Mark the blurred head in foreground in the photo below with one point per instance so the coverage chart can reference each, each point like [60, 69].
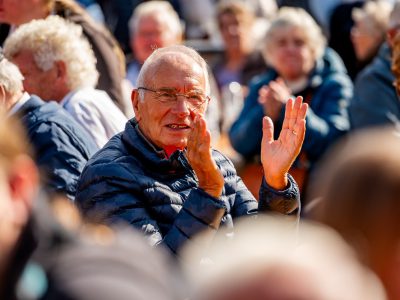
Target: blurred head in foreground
[280, 264]
[358, 185]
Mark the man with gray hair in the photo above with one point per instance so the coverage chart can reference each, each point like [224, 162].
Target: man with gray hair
[161, 174]
[59, 64]
[153, 25]
[61, 146]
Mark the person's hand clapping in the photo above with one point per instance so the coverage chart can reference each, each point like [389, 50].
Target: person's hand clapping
[273, 97]
[277, 156]
[200, 157]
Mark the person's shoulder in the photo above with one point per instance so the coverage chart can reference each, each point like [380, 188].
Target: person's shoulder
[329, 63]
[378, 70]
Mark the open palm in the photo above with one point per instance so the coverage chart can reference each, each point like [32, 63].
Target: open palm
[277, 156]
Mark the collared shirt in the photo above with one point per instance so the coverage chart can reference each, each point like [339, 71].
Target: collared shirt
[25, 97]
[95, 111]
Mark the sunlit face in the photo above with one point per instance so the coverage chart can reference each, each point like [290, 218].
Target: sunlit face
[235, 30]
[166, 124]
[37, 81]
[153, 32]
[290, 54]
[366, 40]
[17, 12]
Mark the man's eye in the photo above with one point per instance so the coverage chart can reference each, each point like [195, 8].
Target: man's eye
[167, 96]
[196, 97]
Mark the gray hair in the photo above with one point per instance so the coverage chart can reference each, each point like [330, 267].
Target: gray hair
[10, 77]
[150, 65]
[53, 39]
[299, 18]
[154, 8]
[375, 14]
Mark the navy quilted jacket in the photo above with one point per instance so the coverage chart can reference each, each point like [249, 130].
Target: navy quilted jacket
[132, 181]
[62, 147]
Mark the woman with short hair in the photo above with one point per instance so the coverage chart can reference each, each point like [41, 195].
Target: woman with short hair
[300, 65]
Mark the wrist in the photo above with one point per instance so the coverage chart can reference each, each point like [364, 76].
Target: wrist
[277, 182]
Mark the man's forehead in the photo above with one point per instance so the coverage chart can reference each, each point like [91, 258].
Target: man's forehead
[176, 65]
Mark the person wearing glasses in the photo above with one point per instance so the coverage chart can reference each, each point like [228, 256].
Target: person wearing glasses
[161, 174]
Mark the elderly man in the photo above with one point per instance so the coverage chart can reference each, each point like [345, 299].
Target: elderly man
[63, 68]
[162, 176]
[48, 253]
[153, 25]
[62, 147]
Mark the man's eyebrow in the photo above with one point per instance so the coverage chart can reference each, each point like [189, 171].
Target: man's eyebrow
[167, 89]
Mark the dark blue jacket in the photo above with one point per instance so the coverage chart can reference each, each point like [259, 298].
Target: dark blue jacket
[130, 180]
[330, 91]
[61, 146]
[375, 99]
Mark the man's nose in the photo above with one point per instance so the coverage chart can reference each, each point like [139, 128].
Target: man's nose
[181, 105]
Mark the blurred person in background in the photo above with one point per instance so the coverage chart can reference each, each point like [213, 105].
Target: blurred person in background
[161, 174]
[375, 100]
[241, 60]
[369, 30]
[48, 253]
[311, 263]
[153, 25]
[300, 65]
[110, 60]
[61, 146]
[59, 65]
[340, 24]
[356, 191]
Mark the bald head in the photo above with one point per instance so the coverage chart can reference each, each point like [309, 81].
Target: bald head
[174, 58]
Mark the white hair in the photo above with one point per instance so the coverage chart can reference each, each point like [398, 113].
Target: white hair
[54, 39]
[10, 77]
[157, 8]
[299, 18]
[375, 15]
[151, 64]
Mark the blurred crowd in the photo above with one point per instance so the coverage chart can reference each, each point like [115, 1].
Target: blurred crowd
[187, 149]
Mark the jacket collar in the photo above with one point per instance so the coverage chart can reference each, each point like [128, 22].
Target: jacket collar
[150, 155]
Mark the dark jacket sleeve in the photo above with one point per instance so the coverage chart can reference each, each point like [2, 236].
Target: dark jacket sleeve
[122, 198]
[60, 160]
[270, 200]
[328, 118]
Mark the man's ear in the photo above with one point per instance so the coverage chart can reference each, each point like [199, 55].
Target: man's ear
[23, 182]
[135, 103]
[61, 69]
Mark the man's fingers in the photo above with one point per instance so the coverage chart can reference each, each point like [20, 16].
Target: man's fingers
[288, 112]
[303, 111]
[268, 130]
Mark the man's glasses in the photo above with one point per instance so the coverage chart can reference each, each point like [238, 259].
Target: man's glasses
[195, 100]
